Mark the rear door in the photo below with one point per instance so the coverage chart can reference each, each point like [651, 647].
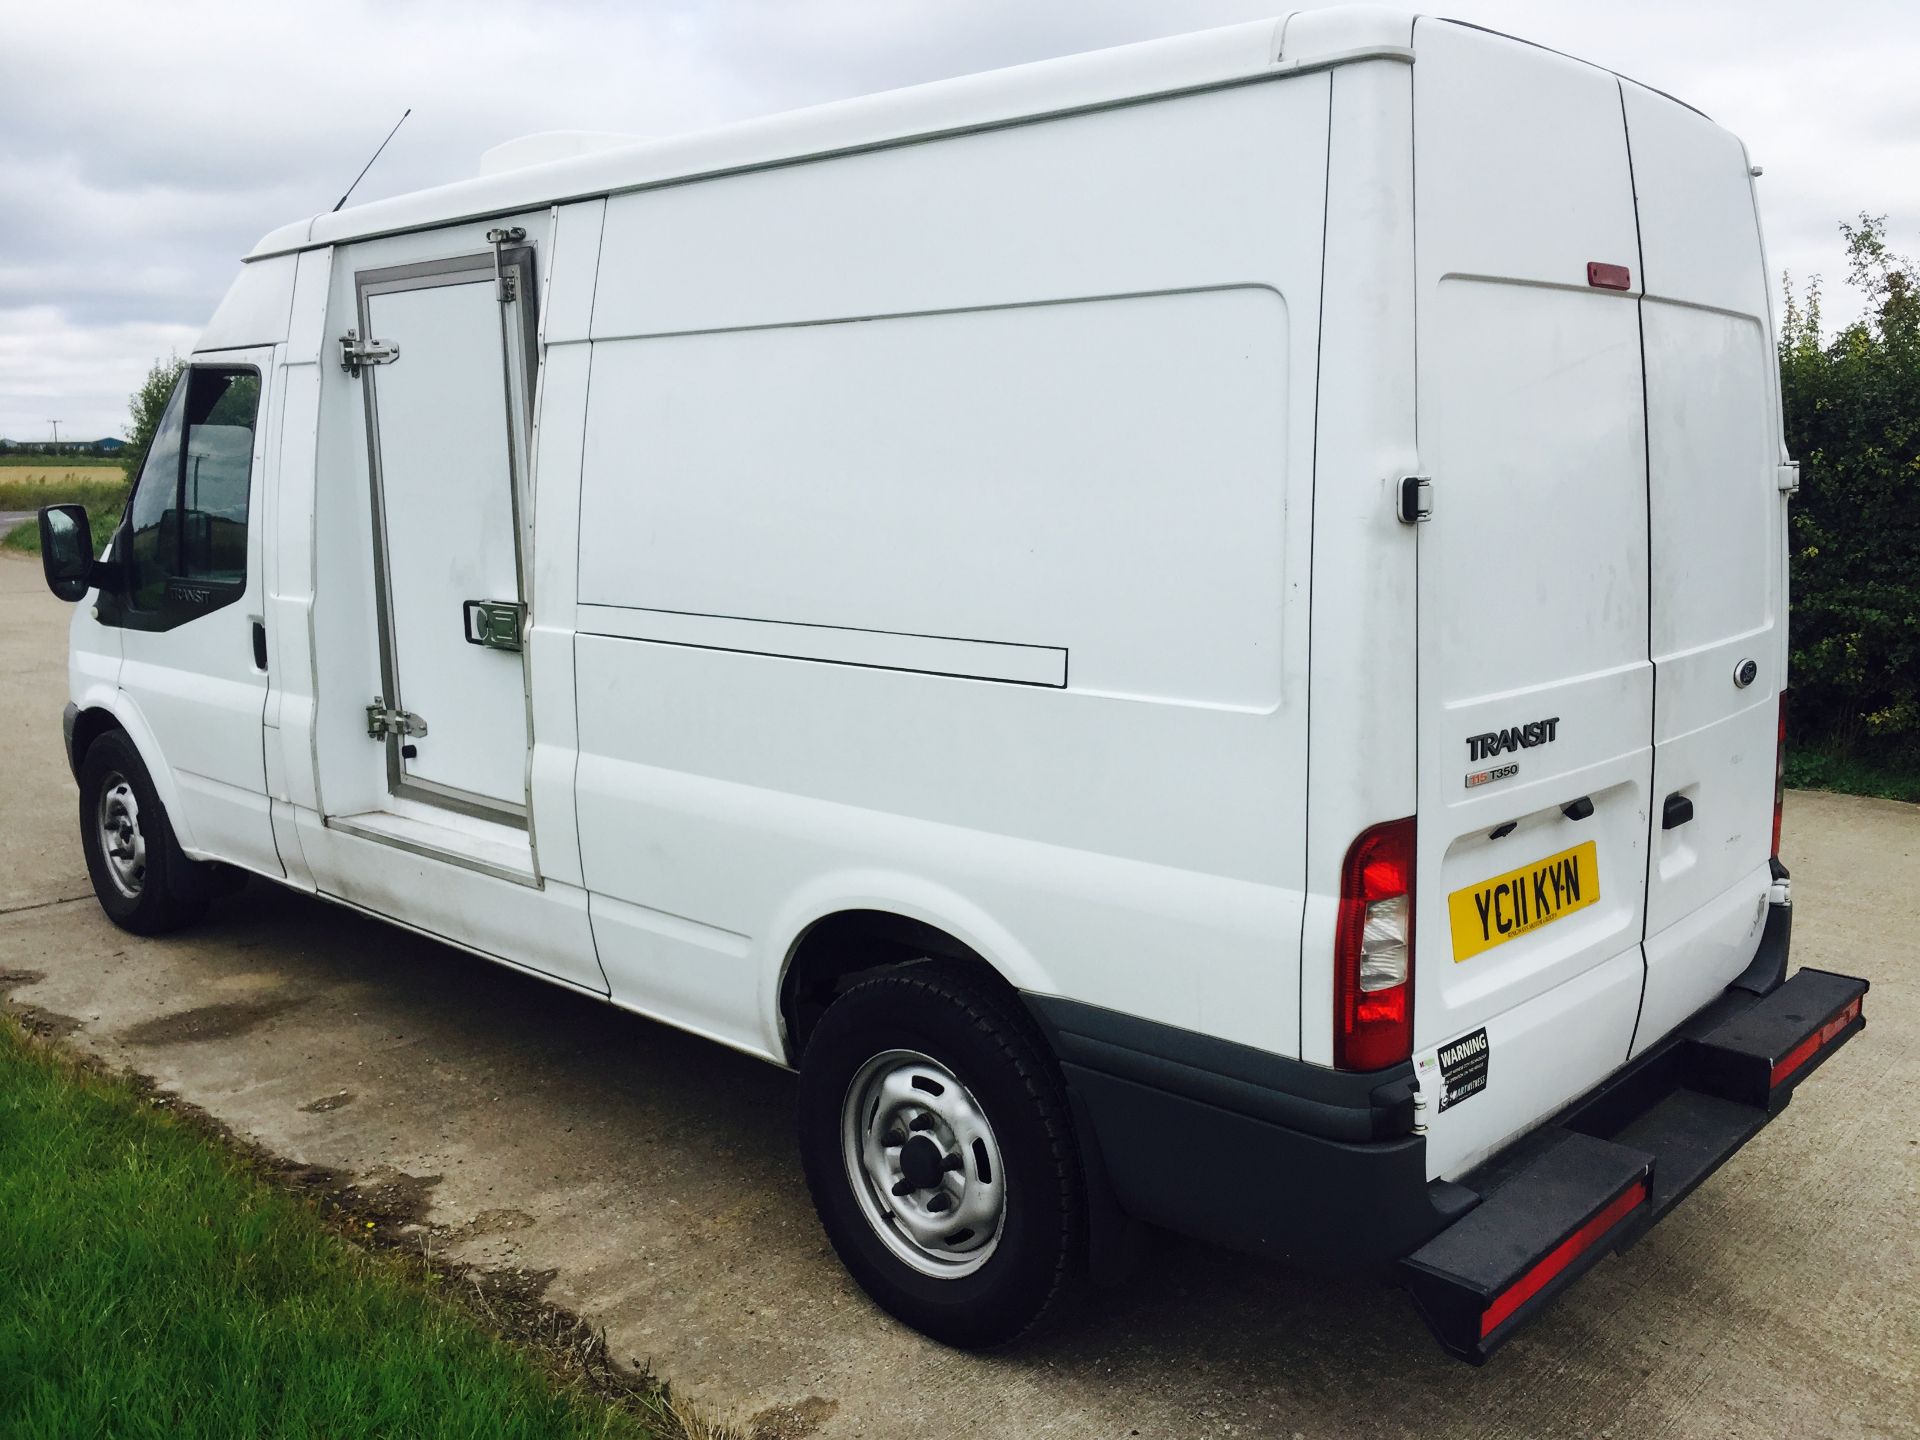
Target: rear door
[1536, 697]
[1718, 555]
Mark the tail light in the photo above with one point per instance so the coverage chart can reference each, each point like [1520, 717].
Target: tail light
[1373, 950]
[1780, 772]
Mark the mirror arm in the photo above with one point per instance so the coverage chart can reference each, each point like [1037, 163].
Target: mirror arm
[105, 575]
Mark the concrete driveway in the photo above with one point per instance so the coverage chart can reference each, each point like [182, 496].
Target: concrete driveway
[656, 1177]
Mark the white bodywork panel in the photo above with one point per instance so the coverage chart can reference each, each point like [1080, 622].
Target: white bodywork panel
[1364, 594]
[1067, 469]
[1030, 495]
[254, 311]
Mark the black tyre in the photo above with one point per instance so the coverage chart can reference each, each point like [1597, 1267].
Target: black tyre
[145, 882]
[940, 1151]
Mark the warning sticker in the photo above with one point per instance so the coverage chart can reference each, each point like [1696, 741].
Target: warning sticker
[1463, 1068]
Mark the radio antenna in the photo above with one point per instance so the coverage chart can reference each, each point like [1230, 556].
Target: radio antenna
[376, 155]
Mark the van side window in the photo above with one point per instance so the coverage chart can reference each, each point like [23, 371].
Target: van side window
[189, 518]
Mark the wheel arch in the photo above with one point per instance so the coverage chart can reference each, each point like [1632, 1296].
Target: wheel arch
[856, 931]
[103, 713]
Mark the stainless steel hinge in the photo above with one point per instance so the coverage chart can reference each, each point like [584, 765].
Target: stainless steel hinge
[1413, 500]
[355, 352]
[506, 282]
[382, 721]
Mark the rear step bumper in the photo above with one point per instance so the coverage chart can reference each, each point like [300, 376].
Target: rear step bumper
[1327, 1170]
[1601, 1173]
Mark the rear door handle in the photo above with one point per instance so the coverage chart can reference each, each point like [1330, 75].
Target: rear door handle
[259, 645]
[1677, 811]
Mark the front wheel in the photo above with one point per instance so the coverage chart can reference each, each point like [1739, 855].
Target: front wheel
[939, 1148]
[143, 879]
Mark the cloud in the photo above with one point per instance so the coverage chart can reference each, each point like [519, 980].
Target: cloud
[80, 374]
[132, 183]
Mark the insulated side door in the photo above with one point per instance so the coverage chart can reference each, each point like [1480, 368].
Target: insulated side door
[446, 360]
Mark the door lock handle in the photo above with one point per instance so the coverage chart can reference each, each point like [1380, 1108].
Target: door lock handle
[1677, 811]
[496, 624]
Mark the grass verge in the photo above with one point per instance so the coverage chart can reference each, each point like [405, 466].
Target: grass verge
[1815, 767]
[101, 488]
[154, 1282]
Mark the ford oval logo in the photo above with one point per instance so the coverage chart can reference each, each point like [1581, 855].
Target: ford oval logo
[1744, 673]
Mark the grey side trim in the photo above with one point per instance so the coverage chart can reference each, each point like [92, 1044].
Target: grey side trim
[334, 899]
[1399, 54]
[1315, 1100]
[1011, 662]
[462, 802]
[346, 826]
[988, 308]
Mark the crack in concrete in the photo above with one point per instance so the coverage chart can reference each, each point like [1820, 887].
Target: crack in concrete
[6, 910]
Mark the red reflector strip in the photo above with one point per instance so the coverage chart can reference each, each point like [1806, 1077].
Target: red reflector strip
[1609, 277]
[1809, 1047]
[1561, 1256]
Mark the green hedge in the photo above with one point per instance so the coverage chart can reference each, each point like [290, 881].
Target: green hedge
[1852, 411]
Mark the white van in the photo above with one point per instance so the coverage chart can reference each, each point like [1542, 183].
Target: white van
[1193, 634]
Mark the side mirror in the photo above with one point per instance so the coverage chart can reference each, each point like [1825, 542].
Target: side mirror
[66, 550]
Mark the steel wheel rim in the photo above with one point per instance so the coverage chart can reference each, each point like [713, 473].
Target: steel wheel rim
[923, 1163]
[121, 842]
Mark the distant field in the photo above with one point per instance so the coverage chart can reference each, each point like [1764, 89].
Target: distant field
[66, 473]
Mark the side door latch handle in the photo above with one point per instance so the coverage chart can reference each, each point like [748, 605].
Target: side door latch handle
[496, 624]
[1413, 502]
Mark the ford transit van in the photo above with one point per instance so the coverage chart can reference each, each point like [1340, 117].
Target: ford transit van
[1194, 635]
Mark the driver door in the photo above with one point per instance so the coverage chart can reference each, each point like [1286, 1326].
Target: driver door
[194, 663]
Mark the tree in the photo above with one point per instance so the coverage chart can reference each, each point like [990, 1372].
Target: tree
[147, 405]
[1852, 413]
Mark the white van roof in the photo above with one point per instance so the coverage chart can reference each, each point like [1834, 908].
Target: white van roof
[1234, 54]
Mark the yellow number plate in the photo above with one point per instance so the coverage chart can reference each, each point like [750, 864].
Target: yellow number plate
[1521, 901]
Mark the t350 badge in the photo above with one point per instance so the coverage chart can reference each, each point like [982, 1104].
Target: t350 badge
[1476, 778]
[1504, 742]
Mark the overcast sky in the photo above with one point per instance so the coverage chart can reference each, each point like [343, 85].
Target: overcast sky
[144, 147]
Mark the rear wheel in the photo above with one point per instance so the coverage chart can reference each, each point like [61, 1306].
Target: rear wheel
[939, 1149]
[144, 881]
